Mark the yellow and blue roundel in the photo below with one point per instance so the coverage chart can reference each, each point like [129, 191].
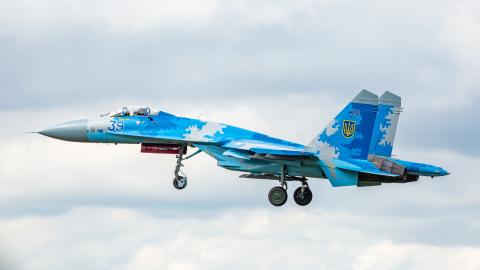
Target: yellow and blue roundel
[348, 128]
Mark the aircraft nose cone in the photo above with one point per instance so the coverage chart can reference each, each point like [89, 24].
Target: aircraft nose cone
[441, 172]
[73, 131]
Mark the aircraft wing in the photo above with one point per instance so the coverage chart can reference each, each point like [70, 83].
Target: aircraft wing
[268, 148]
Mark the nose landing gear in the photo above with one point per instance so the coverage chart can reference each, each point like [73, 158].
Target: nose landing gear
[180, 180]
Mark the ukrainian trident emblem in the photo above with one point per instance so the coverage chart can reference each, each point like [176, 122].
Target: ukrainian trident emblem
[348, 128]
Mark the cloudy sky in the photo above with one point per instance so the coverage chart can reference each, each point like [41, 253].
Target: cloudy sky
[280, 67]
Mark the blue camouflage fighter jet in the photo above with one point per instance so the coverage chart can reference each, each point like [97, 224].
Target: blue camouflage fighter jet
[355, 149]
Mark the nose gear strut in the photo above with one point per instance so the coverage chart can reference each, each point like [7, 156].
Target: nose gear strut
[180, 180]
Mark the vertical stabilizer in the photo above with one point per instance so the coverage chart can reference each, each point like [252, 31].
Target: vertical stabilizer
[349, 134]
[385, 127]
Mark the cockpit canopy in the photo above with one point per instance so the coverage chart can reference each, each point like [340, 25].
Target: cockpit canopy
[132, 110]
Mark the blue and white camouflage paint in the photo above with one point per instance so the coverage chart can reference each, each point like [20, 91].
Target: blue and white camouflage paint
[385, 127]
[346, 152]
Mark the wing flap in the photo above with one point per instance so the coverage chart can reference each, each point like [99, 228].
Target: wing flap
[237, 154]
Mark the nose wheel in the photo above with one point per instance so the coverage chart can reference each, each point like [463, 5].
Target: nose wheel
[180, 182]
[180, 179]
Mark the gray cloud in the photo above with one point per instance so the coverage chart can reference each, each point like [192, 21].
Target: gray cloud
[451, 128]
[56, 176]
[234, 55]
[281, 68]
[239, 238]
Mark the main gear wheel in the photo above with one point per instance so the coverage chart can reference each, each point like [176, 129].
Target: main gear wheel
[278, 196]
[303, 195]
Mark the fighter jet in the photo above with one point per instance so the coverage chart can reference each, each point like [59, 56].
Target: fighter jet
[354, 149]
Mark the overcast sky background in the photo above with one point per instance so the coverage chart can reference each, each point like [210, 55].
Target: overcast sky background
[280, 67]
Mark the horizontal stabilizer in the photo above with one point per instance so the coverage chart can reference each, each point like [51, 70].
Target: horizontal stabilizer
[361, 166]
[343, 173]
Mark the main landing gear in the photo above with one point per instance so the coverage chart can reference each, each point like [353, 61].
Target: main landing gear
[278, 195]
[303, 195]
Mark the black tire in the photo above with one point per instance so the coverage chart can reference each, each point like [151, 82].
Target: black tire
[302, 199]
[180, 182]
[278, 196]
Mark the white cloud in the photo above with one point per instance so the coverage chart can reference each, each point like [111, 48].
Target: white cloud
[124, 239]
[279, 67]
[107, 15]
[211, 49]
[38, 169]
[60, 204]
[127, 16]
[387, 255]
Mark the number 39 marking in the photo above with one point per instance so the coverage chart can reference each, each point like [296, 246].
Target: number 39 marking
[115, 126]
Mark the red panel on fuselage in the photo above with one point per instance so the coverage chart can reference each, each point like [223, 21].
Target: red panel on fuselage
[162, 148]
